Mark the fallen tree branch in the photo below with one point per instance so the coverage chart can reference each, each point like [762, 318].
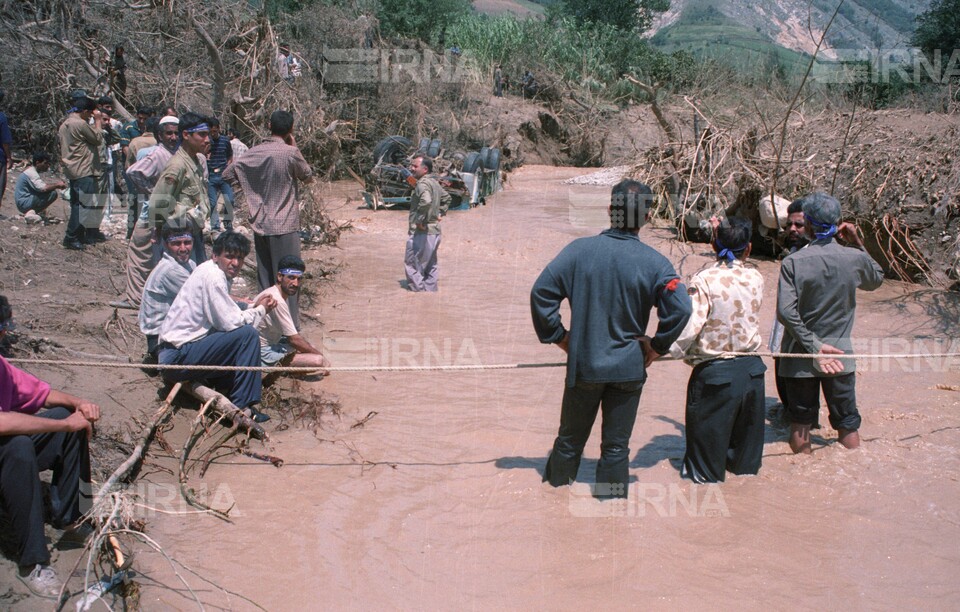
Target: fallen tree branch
[127, 470]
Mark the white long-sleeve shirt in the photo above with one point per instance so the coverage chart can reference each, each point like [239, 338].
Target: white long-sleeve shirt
[204, 305]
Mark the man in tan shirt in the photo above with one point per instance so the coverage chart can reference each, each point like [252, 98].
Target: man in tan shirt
[80, 144]
[280, 341]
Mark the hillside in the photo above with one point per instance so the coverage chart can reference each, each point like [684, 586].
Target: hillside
[746, 32]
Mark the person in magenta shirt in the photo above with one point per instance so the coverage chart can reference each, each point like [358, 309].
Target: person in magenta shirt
[40, 429]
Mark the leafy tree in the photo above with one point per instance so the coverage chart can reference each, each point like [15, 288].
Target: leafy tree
[629, 15]
[939, 28]
[420, 18]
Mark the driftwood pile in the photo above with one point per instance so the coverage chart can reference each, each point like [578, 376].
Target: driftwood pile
[896, 173]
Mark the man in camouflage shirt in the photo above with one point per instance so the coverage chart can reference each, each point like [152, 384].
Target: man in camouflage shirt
[725, 394]
[428, 204]
[181, 191]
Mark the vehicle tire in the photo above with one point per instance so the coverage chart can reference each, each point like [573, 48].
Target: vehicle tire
[424, 146]
[484, 151]
[391, 150]
[492, 160]
[433, 150]
[472, 163]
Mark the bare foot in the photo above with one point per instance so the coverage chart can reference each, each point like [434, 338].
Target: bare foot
[800, 439]
[850, 439]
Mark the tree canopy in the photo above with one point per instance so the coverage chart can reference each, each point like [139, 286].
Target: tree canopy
[939, 28]
[420, 18]
[635, 15]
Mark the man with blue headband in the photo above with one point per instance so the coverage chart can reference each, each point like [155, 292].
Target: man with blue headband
[281, 343]
[725, 398]
[816, 302]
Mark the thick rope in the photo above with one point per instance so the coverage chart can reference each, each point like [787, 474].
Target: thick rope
[453, 368]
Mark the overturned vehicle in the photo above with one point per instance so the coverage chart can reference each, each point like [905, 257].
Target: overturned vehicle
[468, 177]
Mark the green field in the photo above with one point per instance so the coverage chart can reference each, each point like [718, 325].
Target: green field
[741, 48]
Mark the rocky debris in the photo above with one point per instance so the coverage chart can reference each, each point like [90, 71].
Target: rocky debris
[606, 177]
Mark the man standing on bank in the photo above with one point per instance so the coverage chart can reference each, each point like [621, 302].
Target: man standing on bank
[816, 302]
[267, 177]
[427, 205]
[611, 282]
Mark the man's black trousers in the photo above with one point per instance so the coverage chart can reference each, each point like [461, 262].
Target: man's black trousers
[725, 419]
[619, 402]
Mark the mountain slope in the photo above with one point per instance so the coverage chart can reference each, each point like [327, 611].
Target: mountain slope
[792, 24]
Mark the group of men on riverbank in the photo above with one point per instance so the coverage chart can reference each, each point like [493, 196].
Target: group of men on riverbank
[186, 309]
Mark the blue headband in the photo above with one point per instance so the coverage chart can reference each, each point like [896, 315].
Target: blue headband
[291, 272]
[182, 236]
[827, 230]
[203, 127]
[730, 254]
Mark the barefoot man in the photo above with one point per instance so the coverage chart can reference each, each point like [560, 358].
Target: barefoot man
[816, 302]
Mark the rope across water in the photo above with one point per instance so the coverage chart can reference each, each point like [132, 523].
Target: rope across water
[452, 368]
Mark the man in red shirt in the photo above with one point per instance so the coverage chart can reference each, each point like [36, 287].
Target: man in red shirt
[32, 441]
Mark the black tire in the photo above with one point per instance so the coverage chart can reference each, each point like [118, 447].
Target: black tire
[484, 151]
[492, 160]
[433, 150]
[424, 146]
[391, 150]
[472, 163]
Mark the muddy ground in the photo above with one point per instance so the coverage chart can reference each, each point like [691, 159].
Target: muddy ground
[422, 490]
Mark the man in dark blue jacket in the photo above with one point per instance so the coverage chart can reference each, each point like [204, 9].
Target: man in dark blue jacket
[611, 281]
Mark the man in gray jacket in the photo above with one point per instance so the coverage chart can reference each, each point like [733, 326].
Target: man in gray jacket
[611, 282]
[816, 302]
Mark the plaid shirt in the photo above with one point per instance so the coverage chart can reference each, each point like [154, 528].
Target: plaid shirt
[267, 175]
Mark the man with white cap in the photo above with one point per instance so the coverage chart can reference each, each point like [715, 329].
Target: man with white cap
[816, 302]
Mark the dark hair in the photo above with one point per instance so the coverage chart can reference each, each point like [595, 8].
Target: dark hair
[629, 202]
[105, 100]
[291, 261]
[234, 132]
[145, 110]
[167, 109]
[281, 123]
[213, 121]
[231, 242]
[84, 104]
[734, 234]
[6, 312]
[3, 95]
[152, 126]
[172, 228]
[795, 207]
[39, 156]
[189, 121]
[427, 161]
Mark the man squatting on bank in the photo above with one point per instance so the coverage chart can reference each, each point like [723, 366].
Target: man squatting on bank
[611, 282]
[205, 326]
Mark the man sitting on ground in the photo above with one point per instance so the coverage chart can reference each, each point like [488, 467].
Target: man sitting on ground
[205, 326]
[164, 284]
[30, 442]
[32, 192]
[280, 341]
